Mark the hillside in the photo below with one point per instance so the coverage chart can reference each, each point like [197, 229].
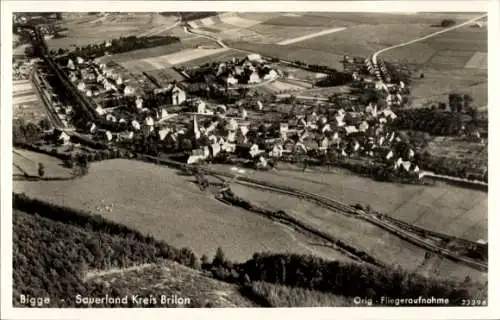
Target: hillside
[53, 259]
[68, 254]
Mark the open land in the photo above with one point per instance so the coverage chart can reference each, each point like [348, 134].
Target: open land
[443, 208]
[360, 234]
[168, 207]
[452, 61]
[25, 102]
[27, 161]
[164, 279]
[83, 30]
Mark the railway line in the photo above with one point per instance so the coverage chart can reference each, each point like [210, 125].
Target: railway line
[415, 235]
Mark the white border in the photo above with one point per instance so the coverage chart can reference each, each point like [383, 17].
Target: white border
[7, 7]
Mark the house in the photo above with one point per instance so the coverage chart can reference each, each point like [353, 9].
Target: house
[231, 80]
[63, 138]
[136, 125]
[254, 151]
[254, 57]
[178, 95]
[110, 117]
[93, 128]
[100, 111]
[350, 130]
[243, 113]
[271, 75]
[364, 126]
[128, 91]
[149, 121]
[81, 86]
[254, 78]
[232, 125]
[196, 156]
[71, 64]
[215, 149]
[201, 107]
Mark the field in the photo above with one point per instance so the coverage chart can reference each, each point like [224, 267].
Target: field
[159, 51]
[458, 149]
[444, 208]
[363, 40]
[170, 208]
[27, 161]
[363, 235]
[26, 104]
[83, 30]
[455, 61]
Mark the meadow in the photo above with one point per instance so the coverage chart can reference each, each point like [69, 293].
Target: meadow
[362, 235]
[83, 30]
[157, 201]
[444, 208]
[27, 161]
[455, 61]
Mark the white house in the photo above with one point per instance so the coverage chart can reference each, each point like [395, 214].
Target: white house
[64, 138]
[350, 130]
[100, 111]
[81, 86]
[231, 81]
[243, 113]
[136, 125]
[71, 64]
[271, 75]
[260, 106]
[201, 107]
[149, 121]
[254, 57]
[79, 60]
[111, 118]
[364, 126]
[254, 78]
[178, 95]
[109, 136]
[215, 149]
[128, 91]
[93, 128]
[232, 125]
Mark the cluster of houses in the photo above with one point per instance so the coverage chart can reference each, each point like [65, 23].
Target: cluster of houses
[363, 133]
[251, 70]
[95, 79]
[349, 134]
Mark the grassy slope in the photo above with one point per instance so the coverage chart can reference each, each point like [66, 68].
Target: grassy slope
[443, 207]
[279, 296]
[28, 162]
[155, 200]
[363, 235]
[442, 60]
[170, 278]
[82, 30]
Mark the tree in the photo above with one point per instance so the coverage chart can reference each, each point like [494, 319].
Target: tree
[220, 257]
[41, 170]
[447, 23]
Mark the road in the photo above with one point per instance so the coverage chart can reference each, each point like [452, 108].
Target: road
[156, 31]
[376, 54]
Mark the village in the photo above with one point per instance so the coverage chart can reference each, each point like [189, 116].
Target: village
[234, 134]
[248, 132]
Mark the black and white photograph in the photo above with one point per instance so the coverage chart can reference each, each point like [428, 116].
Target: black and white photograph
[247, 158]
